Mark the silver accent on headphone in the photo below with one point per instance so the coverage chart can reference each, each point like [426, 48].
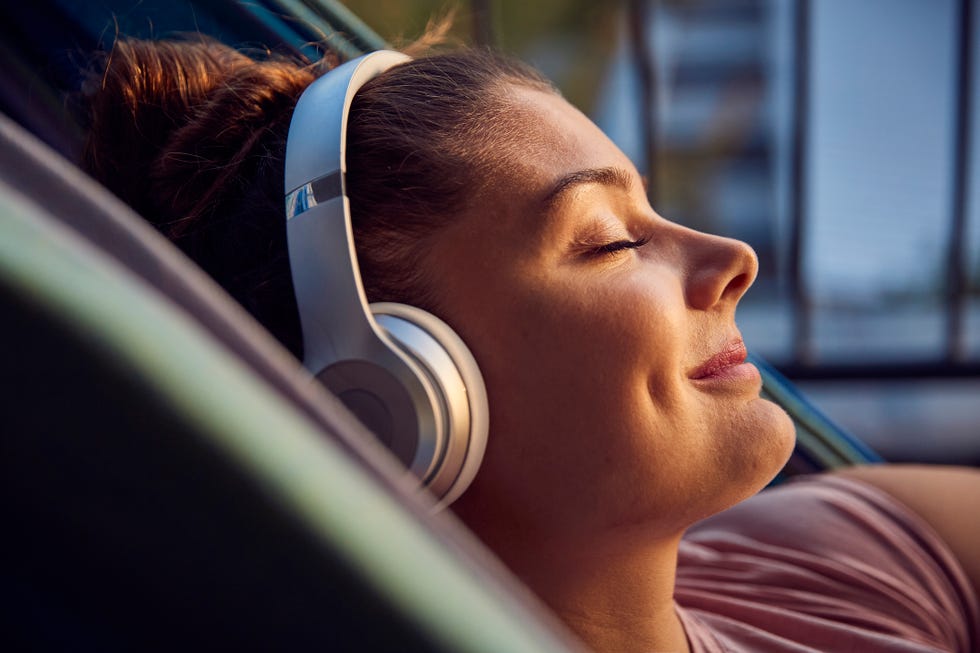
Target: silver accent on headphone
[321, 189]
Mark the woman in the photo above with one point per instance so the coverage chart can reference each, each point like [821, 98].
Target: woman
[622, 412]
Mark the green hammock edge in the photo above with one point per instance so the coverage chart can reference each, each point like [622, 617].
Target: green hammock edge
[299, 467]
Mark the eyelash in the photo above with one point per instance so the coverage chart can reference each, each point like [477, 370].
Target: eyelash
[618, 246]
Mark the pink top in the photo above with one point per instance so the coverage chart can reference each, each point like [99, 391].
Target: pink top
[822, 564]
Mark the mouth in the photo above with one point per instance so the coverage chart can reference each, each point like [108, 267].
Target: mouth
[727, 365]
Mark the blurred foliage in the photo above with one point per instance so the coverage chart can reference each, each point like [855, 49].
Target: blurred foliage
[571, 41]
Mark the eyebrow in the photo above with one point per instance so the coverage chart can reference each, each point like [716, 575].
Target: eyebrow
[610, 176]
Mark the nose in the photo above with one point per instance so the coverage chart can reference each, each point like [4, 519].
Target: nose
[718, 270]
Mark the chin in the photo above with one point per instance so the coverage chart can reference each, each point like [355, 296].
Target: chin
[750, 448]
[785, 431]
[765, 443]
[777, 434]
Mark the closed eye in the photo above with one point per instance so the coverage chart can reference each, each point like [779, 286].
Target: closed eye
[618, 246]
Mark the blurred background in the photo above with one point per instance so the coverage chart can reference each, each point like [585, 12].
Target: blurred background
[838, 138]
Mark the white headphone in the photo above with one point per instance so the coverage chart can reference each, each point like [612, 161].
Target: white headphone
[405, 374]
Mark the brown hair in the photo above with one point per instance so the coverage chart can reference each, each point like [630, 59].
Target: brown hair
[192, 135]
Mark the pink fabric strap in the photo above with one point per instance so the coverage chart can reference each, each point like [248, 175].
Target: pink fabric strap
[822, 564]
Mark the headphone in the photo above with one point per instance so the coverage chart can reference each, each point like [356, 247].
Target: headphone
[402, 371]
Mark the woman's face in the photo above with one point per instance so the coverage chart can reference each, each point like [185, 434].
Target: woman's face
[606, 335]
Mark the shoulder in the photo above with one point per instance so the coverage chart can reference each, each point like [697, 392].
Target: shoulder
[825, 559]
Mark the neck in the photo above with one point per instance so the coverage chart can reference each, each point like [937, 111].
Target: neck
[617, 594]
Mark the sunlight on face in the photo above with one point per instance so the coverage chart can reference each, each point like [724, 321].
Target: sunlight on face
[607, 338]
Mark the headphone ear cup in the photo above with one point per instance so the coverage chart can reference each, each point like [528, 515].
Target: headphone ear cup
[458, 383]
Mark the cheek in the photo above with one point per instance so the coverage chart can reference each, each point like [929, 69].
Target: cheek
[585, 348]
[563, 353]
[581, 387]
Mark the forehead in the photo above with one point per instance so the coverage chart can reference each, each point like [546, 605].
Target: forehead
[553, 139]
[546, 143]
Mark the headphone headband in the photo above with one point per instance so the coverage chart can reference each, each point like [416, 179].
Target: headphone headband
[327, 281]
[316, 161]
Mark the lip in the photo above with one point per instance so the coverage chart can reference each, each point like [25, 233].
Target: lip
[728, 365]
